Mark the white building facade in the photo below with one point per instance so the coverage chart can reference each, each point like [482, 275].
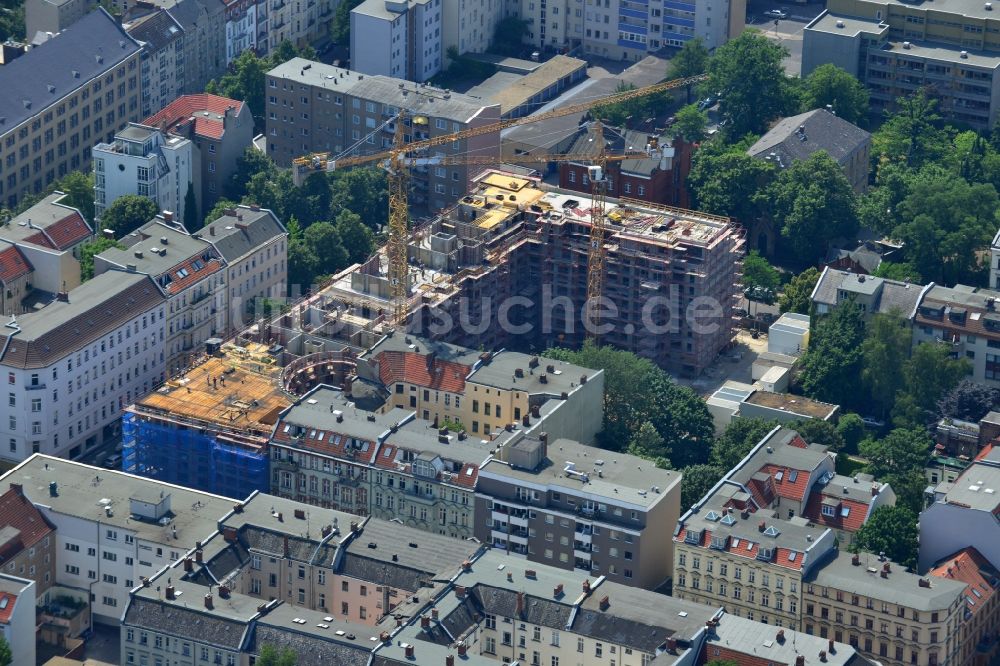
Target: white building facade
[146, 162]
[398, 38]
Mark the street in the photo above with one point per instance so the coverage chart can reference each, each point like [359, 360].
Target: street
[787, 32]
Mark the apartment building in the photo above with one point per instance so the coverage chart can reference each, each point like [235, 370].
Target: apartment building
[880, 609]
[27, 542]
[190, 272]
[163, 78]
[78, 87]
[17, 617]
[796, 138]
[312, 107]
[113, 529]
[753, 539]
[220, 130]
[978, 640]
[964, 318]
[598, 514]
[203, 47]
[73, 365]
[658, 179]
[874, 295]
[254, 245]
[995, 262]
[39, 256]
[398, 38]
[895, 48]
[53, 15]
[145, 162]
[963, 514]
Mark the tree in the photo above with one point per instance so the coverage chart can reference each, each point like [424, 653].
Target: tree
[831, 85]
[798, 292]
[362, 191]
[690, 123]
[832, 362]
[357, 239]
[79, 190]
[885, 350]
[245, 81]
[899, 452]
[640, 108]
[647, 443]
[759, 274]
[851, 429]
[340, 26]
[968, 401]
[812, 204]
[303, 262]
[696, 481]
[636, 391]
[128, 213]
[931, 372]
[901, 271]
[271, 656]
[911, 134]
[218, 210]
[728, 182]
[508, 39]
[191, 220]
[737, 440]
[819, 432]
[323, 239]
[248, 165]
[6, 655]
[891, 530]
[748, 73]
[89, 250]
[691, 60]
[12, 24]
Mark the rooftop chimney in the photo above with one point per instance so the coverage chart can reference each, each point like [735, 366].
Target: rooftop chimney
[208, 602]
[586, 587]
[223, 591]
[520, 604]
[800, 660]
[229, 534]
[409, 652]
[762, 526]
[198, 556]
[425, 622]
[462, 649]
[168, 216]
[822, 655]
[557, 590]
[605, 602]
[188, 565]
[460, 591]
[856, 559]
[170, 592]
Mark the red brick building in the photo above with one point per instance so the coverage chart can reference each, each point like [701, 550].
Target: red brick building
[657, 181]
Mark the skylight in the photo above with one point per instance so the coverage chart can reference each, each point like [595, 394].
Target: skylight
[792, 475]
[845, 511]
[736, 543]
[791, 556]
[779, 476]
[771, 531]
[712, 515]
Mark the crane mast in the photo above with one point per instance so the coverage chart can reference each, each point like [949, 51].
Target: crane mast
[398, 269]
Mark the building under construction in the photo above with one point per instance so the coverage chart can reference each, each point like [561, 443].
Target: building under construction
[670, 275]
[208, 428]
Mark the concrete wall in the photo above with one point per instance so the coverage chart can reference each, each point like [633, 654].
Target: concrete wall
[375, 42]
[946, 528]
[819, 48]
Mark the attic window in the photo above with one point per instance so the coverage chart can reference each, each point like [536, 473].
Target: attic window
[719, 542]
[829, 511]
[791, 556]
[693, 536]
[736, 542]
[845, 511]
[779, 476]
[792, 475]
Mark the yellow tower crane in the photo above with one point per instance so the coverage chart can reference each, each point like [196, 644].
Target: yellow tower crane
[397, 163]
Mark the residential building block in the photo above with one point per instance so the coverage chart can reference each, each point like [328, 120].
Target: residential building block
[872, 294]
[27, 542]
[163, 78]
[398, 38]
[895, 48]
[78, 87]
[17, 617]
[145, 162]
[219, 128]
[53, 15]
[312, 107]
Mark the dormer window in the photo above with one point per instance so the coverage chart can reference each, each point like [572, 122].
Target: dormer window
[719, 542]
[693, 536]
[829, 511]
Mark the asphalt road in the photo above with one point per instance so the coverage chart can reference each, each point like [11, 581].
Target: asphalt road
[787, 32]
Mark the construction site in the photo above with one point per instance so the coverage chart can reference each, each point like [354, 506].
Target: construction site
[512, 236]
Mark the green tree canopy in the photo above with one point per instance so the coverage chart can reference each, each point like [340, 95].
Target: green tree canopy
[797, 293]
[248, 165]
[759, 274]
[748, 72]
[885, 350]
[508, 39]
[968, 401]
[696, 481]
[358, 240]
[79, 190]
[899, 452]
[325, 242]
[89, 250]
[902, 271]
[812, 204]
[638, 109]
[832, 363]
[690, 61]
[128, 213]
[819, 432]
[912, 133]
[690, 123]
[340, 26]
[737, 440]
[363, 191]
[928, 374]
[647, 443]
[831, 85]
[218, 210]
[272, 656]
[6, 656]
[852, 430]
[728, 182]
[891, 530]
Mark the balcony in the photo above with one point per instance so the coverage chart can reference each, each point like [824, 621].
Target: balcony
[512, 518]
[38, 386]
[286, 465]
[513, 537]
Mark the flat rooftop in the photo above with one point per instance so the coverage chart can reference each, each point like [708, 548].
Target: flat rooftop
[946, 53]
[849, 26]
[88, 492]
[793, 404]
[238, 391]
[550, 73]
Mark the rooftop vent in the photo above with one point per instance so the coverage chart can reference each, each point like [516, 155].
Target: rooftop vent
[840, 24]
[988, 6]
[964, 55]
[906, 45]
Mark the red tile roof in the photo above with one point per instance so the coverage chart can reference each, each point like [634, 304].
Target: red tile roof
[13, 264]
[7, 601]
[852, 522]
[327, 442]
[798, 442]
[985, 452]
[969, 567]
[41, 240]
[18, 512]
[784, 487]
[68, 231]
[747, 549]
[178, 284]
[422, 370]
[182, 108]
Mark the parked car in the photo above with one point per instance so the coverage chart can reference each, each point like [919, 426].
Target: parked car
[706, 103]
[114, 461]
[872, 422]
[776, 13]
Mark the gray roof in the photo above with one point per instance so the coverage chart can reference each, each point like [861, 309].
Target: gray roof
[617, 141]
[978, 487]
[180, 247]
[867, 254]
[751, 638]
[822, 131]
[841, 24]
[394, 545]
[315, 410]
[899, 587]
[894, 295]
[243, 234]
[443, 351]
[188, 619]
[84, 491]
[619, 477]
[158, 30]
[414, 97]
[70, 60]
[47, 212]
[500, 373]
[379, 8]
[313, 645]
[92, 310]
